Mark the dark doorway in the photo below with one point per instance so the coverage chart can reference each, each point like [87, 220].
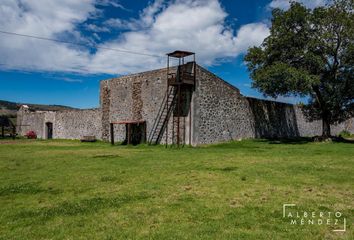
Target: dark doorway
[8, 128]
[49, 126]
[135, 133]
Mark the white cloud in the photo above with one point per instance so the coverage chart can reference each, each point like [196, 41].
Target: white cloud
[95, 28]
[195, 25]
[113, 3]
[72, 80]
[43, 17]
[49, 19]
[116, 23]
[285, 4]
[96, 36]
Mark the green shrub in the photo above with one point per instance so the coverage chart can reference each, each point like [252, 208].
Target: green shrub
[344, 133]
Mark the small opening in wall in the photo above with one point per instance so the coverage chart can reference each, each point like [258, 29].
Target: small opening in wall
[135, 133]
[49, 130]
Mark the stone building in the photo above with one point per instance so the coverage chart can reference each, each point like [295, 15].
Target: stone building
[185, 104]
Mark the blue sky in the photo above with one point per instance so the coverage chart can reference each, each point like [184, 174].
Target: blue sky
[36, 71]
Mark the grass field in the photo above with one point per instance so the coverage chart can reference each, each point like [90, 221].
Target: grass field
[70, 190]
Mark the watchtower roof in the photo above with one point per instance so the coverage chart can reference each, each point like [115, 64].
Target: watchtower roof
[180, 54]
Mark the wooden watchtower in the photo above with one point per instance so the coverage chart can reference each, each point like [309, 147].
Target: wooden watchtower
[181, 79]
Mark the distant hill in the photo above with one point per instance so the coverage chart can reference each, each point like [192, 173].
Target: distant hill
[10, 108]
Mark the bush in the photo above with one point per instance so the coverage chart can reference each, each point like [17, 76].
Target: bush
[31, 135]
[344, 133]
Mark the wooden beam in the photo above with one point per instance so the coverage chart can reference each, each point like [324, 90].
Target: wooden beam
[129, 134]
[129, 122]
[112, 133]
[190, 122]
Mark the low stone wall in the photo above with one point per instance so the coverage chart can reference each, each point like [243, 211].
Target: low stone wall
[272, 119]
[309, 129]
[31, 121]
[75, 124]
[72, 124]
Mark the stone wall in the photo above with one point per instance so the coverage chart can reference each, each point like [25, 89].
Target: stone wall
[105, 102]
[136, 97]
[308, 129]
[72, 124]
[31, 121]
[220, 112]
[272, 119]
[75, 124]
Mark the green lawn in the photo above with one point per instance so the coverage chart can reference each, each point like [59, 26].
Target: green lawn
[72, 190]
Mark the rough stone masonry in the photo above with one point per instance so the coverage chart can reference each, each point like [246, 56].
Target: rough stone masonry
[219, 112]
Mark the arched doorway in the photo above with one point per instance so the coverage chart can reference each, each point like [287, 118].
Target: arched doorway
[49, 130]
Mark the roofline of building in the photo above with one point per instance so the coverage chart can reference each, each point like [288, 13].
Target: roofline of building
[222, 80]
[268, 100]
[204, 69]
[139, 73]
[60, 111]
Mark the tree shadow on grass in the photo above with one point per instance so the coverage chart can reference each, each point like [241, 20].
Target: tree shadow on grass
[305, 140]
[297, 140]
[342, 140]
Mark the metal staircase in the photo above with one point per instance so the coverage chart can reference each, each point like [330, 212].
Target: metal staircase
[164, 114]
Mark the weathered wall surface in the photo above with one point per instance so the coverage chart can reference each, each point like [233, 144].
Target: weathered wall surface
[105, 103]
[221, 114]
[31, 121]
[73, 124]
[136, 97]
[218, 111]
[308, 129]
[272, 119]
[275, 119]
[77, 123]
[347, 125]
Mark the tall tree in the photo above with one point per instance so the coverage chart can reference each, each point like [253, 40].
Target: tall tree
[309, 53]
